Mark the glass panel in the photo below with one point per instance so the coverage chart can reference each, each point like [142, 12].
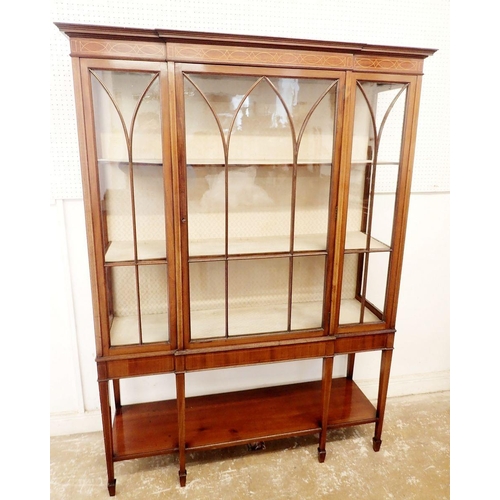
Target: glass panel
[149, 211]
[128, 138]
[204, 142]
[259, 209]
[127, 114]
[378, 270]
[207, 299]
[312, 207]
[351, 308]
[308, 292]
[126, 105]
[247, 192]
[258, 296]
[378, 130]
[124, 309]
[205, 182]
[262, 131]
[206, 208]
[390, 122]
[116, 207]
[314, 115]
[153, 294]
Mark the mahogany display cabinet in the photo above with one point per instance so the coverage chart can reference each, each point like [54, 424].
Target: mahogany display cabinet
[246, 201]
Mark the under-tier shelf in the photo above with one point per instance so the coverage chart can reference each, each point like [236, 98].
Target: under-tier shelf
[145, 429]
[240, 417]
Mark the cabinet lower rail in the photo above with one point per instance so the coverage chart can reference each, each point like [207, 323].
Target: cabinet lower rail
[241, 417]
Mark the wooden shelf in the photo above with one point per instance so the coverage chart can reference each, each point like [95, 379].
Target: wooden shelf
[257, 414]
[258, 245]
[123, 251]
[349, 405]
[145, 429]
[356, 241]
[241, 417]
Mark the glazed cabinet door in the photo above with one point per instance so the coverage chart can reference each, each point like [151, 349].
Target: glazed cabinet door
[377, 167]
[257, 154]
[130, 194]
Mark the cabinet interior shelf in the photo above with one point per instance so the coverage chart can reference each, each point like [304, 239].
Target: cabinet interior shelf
[208, 323]
[240, 417]
[123, 251]
[210, 162]
[242, 163]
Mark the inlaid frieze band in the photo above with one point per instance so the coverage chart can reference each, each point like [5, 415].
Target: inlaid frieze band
[261, 56]
[88, 47]
[392, 64]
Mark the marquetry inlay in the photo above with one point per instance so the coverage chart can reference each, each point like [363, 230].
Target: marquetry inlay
[393, 64]
[88, 47]
[261, 56]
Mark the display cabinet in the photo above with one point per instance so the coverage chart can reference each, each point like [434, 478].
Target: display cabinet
[246, 201]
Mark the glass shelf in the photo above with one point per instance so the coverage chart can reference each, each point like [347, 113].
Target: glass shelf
[123, 251]
[258, 245]
[355, 241]
[124, 162]
[124, 329]
[350, 310]
[249, 320]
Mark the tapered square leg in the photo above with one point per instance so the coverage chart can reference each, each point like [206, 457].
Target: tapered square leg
[385, 369]
[112, 488]
[180, 381]
[326, 388]
[107, 433]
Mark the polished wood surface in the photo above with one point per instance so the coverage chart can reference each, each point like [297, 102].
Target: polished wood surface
[145, 429]
[235, 418]
[250, 416]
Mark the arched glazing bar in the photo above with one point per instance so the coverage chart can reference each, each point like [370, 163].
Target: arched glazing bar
[364, 261]
[128, 135]
[296, 137]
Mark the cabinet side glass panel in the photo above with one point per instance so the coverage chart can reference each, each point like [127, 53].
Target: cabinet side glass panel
[378, 131]
[127, 122]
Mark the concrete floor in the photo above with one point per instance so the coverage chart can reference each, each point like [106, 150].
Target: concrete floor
[412, 464]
